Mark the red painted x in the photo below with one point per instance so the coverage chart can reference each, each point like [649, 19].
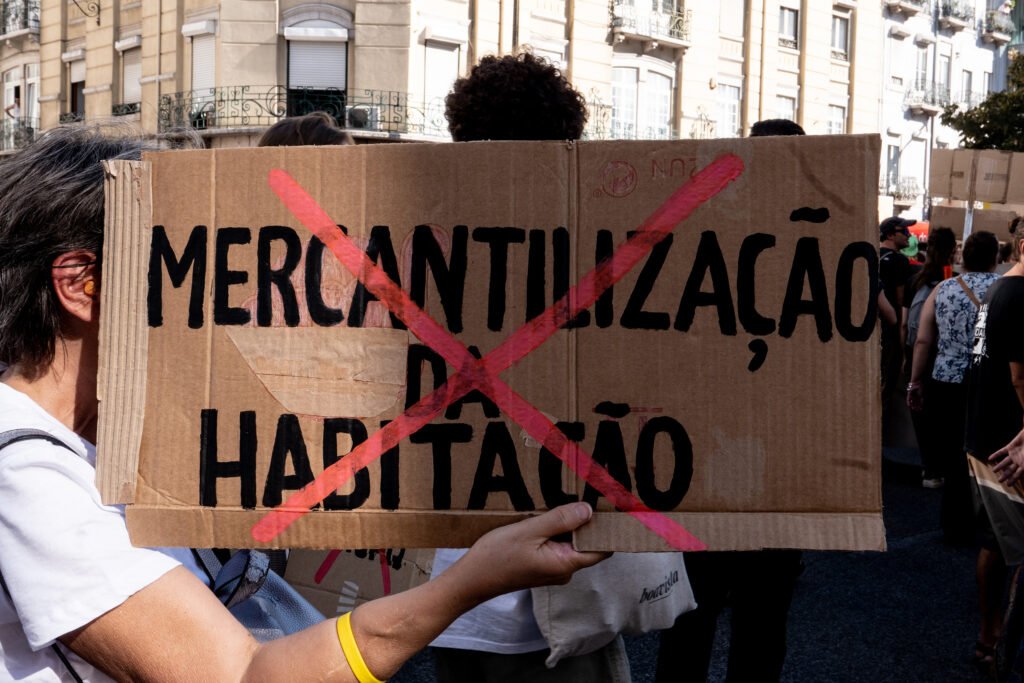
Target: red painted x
[482, 375]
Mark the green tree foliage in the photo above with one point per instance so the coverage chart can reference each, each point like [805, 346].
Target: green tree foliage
[998, 122]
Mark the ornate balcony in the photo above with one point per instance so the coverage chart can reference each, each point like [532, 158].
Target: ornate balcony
[19, 16]
[908, 7]
[998, 28]
[386, 112]
[905, 191]
[956, 15]
[16, 133]
[126, 109]
[71, 117]
[650, 27]
[927, 101]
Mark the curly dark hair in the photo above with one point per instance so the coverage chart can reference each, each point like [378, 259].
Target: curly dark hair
[515, 97]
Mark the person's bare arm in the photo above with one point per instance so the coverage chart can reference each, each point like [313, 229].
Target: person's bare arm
[176, 630]
[927, 335]
[1008, 461]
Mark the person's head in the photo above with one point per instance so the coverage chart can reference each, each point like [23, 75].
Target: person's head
[980, 251]
[775, 127]
[515, 97]
[895, 231]
[1005, 252]
[318, 128]
[1017, 238]
[51, 239]
[941, 246]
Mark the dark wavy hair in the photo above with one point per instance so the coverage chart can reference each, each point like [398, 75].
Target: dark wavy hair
[515, 97]
[939, 254]
[980, 252]
[1017, 234]
[317, 128]
[51, 202]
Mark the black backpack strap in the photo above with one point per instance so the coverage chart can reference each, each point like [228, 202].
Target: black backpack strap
[6, 439]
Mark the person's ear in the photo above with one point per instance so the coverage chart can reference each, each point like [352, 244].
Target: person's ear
[75, 276]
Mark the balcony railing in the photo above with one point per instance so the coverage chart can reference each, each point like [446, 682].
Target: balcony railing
[998, 28]
[929, 101]
[906, 190]
[630, 131]
[71, 117]
[16, 133]
[628, 20]
[908, 7]
[376, 111]
[956, 14]
[125, 109]
[19, 15]
[969, 100]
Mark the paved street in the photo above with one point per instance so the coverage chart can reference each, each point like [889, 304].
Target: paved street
[905, 615]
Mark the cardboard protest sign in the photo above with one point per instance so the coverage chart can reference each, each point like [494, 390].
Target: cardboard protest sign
[338, 581]
[405, 346]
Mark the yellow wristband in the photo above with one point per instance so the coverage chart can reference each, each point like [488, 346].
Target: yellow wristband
[351, 651]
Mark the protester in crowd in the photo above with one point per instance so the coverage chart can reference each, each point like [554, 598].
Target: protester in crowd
[893, 269]
[1006, 259]
[71, 577]
[317, 128]
[13, 110]
[758, 585]
[995, 413]
[936, 268]
[947, 326]
[515, 97]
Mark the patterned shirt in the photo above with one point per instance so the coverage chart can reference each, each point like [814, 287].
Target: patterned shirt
[955, 314]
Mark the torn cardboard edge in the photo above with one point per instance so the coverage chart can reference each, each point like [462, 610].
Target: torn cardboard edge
[121, 383]
[153, 525]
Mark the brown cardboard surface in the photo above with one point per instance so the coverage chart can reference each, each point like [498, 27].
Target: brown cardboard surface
[992, 176]
[338, 582]
[991, 220]
[730, 377]
[962, 174]
[939, 172]
[1015, 188]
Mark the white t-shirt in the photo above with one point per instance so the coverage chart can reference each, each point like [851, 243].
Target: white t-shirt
[65, 556]
[504, 625]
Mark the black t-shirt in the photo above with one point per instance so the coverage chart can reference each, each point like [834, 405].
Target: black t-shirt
[994, 413]
[893, 270]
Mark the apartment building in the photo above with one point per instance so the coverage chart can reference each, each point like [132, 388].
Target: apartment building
[649, 68]
[935, 53]
[19, 70]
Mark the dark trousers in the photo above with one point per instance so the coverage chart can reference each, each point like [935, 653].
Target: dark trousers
[609, 664]
[947, 411]
[759, 587]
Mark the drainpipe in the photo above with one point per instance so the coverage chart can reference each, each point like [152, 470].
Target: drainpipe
[764, 57]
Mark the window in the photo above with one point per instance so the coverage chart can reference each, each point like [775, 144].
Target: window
[641, 109]
[892, 167]
[440, 69]
[76, 105]
[836, 119]
[203, 72]
[785, 107]
[788, 32]
[12, 90]
[841, 36]
[921, 73]
[942, 77]
[729, 99]
[30, 105]
[730, 17]
[131, 72]
[657, 102]
[987, 79]
[624, 87]
[967, 87]
[318, 79]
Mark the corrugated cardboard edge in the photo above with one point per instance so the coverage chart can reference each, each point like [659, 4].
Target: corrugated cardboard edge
[740, 531]
[121, 386]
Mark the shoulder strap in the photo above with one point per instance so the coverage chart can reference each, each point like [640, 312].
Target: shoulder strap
[16, 435]
[968, 291]
[6, 439]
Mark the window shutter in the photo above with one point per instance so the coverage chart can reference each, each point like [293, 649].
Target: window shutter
[317, 65]
[78, 71]
[131, 89]
[203, 71]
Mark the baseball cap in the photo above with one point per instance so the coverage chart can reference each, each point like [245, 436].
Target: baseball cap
[894, 224]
